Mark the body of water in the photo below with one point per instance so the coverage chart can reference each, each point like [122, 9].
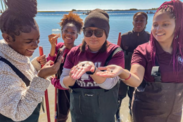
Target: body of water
[120, 21]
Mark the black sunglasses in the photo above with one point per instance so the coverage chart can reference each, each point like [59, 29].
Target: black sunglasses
[97, 32]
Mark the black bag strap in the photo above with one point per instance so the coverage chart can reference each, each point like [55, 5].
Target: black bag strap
[60, 50]
[112, 54]
[20, 74]
[59, 72]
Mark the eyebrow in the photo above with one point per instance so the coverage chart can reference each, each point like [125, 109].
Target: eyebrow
[163, 21]
[30, 39]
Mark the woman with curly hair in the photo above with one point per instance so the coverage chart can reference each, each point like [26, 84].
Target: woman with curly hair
[71, 25]
[21, 85]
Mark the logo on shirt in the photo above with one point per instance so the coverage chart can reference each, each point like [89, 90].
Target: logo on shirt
[82, 83]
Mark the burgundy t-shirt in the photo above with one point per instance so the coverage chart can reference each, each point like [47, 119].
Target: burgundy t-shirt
[142, 56]
[75, 56]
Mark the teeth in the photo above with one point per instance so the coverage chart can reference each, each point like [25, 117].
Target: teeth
[159, 34]
[68, 38]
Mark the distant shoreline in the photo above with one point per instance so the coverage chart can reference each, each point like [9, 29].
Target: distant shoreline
[105, 10]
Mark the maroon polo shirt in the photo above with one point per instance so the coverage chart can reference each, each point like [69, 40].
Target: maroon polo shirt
[75, 56]
[142, 56]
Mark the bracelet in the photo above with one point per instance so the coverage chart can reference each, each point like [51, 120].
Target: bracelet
[91, 73]
[128, 77]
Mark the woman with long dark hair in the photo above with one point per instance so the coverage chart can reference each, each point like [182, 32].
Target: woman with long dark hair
[92, 98]
[157, 68]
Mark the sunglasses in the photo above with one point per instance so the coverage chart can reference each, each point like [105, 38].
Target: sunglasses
[97, 32]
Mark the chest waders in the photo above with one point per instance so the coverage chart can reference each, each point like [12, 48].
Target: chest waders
[63, 96]
[157, 101]
[35, 115]
[94, 105]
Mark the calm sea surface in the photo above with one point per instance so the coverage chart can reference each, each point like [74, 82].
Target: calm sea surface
[120, 21]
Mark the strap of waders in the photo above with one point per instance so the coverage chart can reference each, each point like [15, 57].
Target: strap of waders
[60, 51]
[21, 75]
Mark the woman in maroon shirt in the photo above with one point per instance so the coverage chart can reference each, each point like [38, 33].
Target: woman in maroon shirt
[71, 25]
[157, 69]
[92, 98]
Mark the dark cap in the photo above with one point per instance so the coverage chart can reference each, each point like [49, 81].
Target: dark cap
[98, 18]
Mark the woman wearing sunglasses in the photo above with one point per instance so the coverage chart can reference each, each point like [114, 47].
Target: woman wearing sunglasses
[92, 98]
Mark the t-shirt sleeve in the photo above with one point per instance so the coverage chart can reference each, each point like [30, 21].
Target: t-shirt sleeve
[139, 56]
[117, 59]
[69, 62]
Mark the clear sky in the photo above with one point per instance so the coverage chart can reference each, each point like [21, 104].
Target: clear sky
[92, 4]
[65, 5]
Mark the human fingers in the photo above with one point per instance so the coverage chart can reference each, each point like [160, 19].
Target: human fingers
[40, 58]
[53, 38]
[102, 68]
[78, 73]
[43, 62]
[106, 74]
[48, 64]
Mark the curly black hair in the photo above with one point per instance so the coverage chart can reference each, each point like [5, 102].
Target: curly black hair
[72, 18]
[19, 17]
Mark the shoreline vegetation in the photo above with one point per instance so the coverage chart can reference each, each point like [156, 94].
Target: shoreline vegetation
[132, 9]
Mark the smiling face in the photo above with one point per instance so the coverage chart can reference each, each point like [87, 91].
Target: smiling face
[95, 43]
[163, 27]
[69, 34]
[25, 44]
[139, 22]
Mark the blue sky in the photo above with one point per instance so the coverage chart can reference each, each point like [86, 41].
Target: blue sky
[62, 5]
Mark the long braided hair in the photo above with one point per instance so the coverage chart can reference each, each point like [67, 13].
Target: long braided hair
[19, 17]
[175, 9]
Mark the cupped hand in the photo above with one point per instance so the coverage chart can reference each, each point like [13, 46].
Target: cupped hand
[81, 68]
[110, 71]
[53, 39]
[42, 59]
[49, 68]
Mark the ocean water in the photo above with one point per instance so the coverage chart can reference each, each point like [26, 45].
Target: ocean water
[120, 21]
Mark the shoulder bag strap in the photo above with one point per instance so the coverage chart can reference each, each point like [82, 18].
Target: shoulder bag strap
[20, 74]
[111, 55]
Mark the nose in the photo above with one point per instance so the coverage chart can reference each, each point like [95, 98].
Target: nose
[35, 43]
[93, 35]
[138, 21]
[158, 28]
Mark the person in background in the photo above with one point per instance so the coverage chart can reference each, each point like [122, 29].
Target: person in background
[71, 25]
[92, 98]
[129, 41]
[22, 82]
[156, 68]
